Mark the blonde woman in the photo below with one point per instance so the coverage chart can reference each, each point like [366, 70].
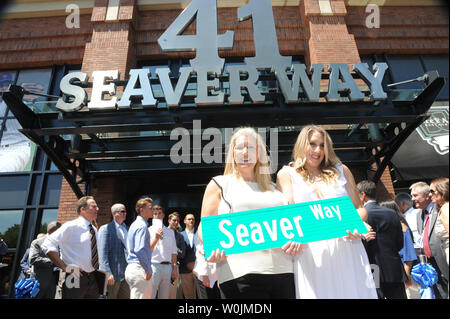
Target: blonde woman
[333, 268]
[245, 185]
[439, 191]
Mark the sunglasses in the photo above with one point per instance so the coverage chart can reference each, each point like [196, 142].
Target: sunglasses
[122, 211]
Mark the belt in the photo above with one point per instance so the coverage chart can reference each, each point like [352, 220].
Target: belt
[165, 263]
[87, 273]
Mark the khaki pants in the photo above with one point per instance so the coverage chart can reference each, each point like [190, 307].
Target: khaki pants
[413, 292]
[189, 284]
[119, 290]
[140, 288]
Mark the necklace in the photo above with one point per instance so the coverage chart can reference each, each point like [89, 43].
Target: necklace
[313, 178]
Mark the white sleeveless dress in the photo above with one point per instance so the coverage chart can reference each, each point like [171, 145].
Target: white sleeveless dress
[334, 268]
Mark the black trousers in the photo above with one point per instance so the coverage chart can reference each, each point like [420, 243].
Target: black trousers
[259, 286]
[440, 289]
[85, 288]
[391, 290]
[207, 293]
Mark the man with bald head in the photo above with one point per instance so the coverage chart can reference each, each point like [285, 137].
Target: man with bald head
[43, 268]
[112, 252]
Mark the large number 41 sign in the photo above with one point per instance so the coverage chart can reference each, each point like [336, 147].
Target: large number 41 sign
[207, 43]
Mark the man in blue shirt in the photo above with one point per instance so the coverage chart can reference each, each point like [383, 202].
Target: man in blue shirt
[139, 255]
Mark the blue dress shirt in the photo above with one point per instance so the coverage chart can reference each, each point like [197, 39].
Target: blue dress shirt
[138, 245]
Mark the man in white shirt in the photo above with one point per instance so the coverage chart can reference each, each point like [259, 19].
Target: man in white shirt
[164, 255]
[73, 249]
[406, 206]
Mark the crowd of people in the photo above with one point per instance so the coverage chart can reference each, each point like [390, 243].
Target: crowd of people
[143, 262]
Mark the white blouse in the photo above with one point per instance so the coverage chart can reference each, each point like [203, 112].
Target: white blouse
[243, 196]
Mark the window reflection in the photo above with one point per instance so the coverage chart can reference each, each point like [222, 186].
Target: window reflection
[10, 221]
[48, 215]
[16, 151]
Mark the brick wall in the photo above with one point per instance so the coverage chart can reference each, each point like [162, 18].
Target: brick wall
[35, 42]
[106, 192]
[403, 30]
[67, 203]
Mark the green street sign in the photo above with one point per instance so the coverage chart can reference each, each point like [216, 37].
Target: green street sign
[274, 226]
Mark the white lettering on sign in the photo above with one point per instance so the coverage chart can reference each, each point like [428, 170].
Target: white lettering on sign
[329, 212]
[256, 235]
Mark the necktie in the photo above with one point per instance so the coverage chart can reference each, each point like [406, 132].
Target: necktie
[94, 253]
[426, 230]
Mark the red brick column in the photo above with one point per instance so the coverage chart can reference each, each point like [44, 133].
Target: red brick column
[327, 40]
[327, 37]
[111, 48]
[112, 43]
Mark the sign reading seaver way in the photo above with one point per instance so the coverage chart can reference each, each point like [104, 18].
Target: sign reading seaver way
[272, 227]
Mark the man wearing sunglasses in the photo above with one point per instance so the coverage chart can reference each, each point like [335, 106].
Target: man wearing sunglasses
[112, 250]
[431, 243]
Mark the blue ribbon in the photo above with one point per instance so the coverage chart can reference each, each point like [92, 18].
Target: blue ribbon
[26, 288]
[426, 276]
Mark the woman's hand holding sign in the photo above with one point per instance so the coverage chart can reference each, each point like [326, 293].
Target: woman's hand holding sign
[292, 248]
[216, 256]
[353, 236]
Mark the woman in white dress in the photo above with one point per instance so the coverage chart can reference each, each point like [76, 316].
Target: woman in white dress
[333, 268]
[439, 196]
[247, 185]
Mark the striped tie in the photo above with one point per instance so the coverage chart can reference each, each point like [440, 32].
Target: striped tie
[94, 253]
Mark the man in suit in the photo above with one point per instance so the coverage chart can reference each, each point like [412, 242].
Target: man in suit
[188, 279]
[430, 242]
[112, 252]
[383, 250]
[44, 270]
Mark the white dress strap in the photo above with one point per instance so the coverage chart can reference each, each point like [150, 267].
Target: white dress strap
[341, 181]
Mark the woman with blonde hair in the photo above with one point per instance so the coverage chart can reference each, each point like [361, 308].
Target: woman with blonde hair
[333, 268]
[439, 191]
[246, 185]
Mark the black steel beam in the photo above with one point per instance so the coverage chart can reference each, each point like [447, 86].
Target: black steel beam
[136, 154]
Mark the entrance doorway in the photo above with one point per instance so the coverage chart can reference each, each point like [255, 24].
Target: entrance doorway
[176, 191]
